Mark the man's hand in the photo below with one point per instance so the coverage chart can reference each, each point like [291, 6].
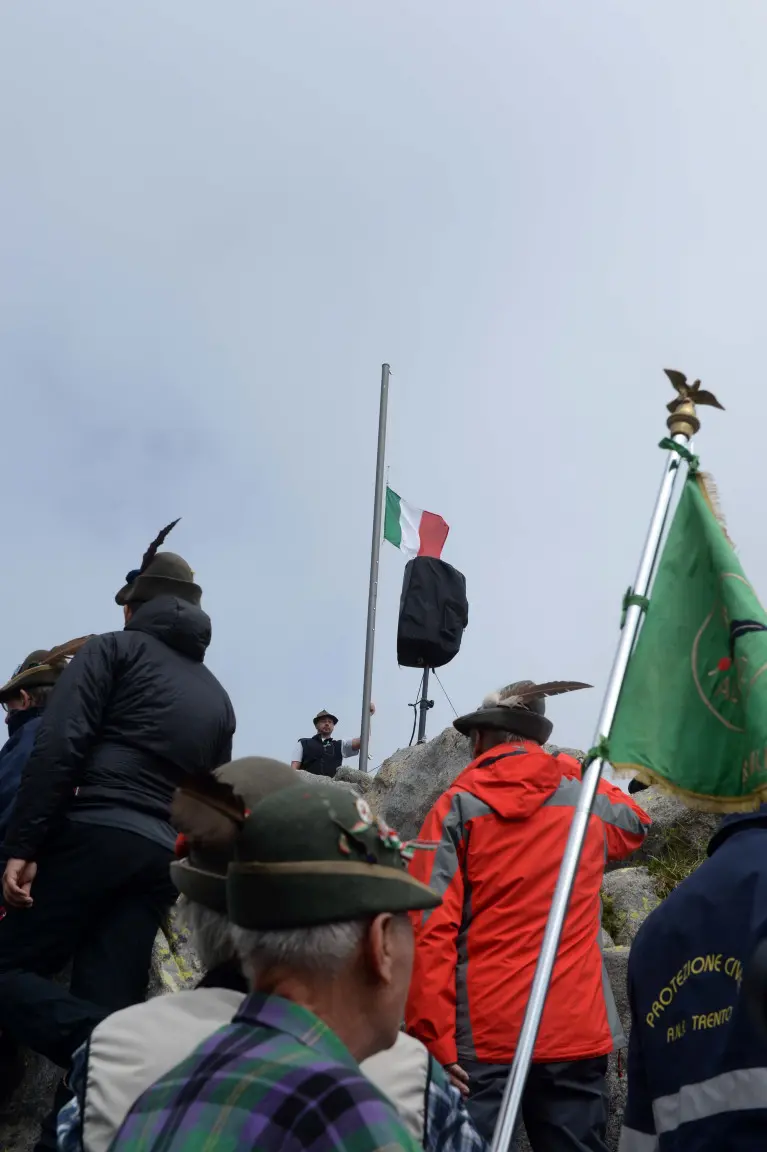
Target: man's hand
[17, 883]
[458, 1078]
[372, 708]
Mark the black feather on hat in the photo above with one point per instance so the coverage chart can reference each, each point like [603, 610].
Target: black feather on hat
[160, 574]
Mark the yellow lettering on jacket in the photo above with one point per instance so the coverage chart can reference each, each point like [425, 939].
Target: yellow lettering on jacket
[696, 966]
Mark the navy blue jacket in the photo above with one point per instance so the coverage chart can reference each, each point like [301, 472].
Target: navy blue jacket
[13, 756]
[697, 1066]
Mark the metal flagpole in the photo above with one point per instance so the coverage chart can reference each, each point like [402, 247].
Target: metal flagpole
[683, 424]
[424, 706]
[375, 550]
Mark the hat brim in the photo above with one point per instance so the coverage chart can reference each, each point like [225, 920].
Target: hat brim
[270, 897]
[199, 886]
[521, 721]
[150, 587]
[42, 676]
[324, 716]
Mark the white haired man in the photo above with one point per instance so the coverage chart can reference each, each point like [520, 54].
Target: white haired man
[132, 1049]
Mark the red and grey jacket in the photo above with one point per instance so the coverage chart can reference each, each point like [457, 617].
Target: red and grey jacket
[501, 830]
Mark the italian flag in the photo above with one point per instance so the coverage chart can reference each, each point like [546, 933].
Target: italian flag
[414, 532]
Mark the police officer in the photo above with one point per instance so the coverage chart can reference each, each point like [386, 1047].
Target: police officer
[321, 754]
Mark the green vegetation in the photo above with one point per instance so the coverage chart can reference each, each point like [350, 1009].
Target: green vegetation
[674, 863]
[612, 920]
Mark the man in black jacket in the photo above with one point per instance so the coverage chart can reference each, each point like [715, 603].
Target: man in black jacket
[321, 754]
[90, 843]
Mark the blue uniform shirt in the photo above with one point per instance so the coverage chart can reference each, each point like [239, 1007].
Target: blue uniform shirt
[13, 757]
[697, 1065]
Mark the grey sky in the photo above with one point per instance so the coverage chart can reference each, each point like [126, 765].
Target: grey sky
[216, 220]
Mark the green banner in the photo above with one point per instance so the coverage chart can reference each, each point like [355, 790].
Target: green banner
[692, 715]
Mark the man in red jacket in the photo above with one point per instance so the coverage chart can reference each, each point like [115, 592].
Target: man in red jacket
[501, 829]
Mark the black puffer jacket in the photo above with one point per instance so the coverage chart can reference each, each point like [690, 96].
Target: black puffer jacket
[133, 713]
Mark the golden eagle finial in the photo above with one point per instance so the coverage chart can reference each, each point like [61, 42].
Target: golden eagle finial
[683, 419]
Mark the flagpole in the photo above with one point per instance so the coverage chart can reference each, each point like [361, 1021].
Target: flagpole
[682, 424]
[375, 551]
[424, 706]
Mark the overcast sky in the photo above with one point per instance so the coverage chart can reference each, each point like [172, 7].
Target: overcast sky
[218, 219]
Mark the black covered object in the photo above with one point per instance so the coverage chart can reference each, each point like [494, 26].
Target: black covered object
[433, 612]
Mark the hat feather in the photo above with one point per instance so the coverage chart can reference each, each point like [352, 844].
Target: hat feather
[519, 694]
[201, 825]
[64, 651]
[208, 812]
[159, 539]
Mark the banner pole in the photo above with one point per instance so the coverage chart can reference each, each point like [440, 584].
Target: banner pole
[682, 424]
[375, 551]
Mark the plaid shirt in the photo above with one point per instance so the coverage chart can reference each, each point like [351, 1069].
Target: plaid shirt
[448, 1127]
[274, 1080]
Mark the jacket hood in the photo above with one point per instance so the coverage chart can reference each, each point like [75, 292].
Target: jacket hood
[737, 822]
[515, 780]
[180, 625]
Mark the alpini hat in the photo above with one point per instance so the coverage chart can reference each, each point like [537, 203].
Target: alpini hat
[518, 708]
[160, 574]
[41, 669]
[209, 813]
[322, 714]
[316, 855]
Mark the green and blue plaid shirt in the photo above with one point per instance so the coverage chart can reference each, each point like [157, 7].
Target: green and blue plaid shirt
[274, 1080]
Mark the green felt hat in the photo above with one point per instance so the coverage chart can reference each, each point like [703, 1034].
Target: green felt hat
[41, 669]
[160, 574]
[321, 716]
[315, 854]
[209, 814]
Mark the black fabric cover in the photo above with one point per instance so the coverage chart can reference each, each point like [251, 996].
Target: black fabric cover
[132, 714]
[433, 612]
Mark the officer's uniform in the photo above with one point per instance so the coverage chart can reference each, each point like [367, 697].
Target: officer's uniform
[697, 1066]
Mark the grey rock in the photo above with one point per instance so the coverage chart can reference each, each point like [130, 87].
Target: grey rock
[21, 1116]
[346, 777]
[410, 781]
[630, 896]
[361, 781]
[670, 817]
[616, 962]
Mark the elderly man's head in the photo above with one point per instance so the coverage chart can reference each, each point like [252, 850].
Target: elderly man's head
[319, 895]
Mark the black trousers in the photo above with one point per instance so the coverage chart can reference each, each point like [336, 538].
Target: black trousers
[564, 1106]
[100, 895]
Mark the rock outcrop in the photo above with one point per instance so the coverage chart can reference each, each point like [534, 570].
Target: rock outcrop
[628, 898]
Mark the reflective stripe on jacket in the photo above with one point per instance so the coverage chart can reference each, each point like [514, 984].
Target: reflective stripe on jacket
[697, 1065]
[501, 830]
